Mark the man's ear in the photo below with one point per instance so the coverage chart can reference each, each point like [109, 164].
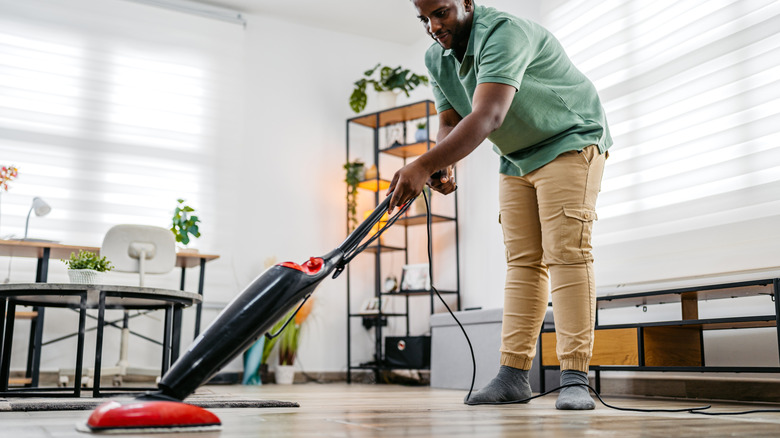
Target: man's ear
[469, 4]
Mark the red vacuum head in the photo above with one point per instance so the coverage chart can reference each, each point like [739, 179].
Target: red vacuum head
[151, 416]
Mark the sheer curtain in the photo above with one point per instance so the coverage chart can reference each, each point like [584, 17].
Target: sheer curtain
[112, 110]
[692, 93]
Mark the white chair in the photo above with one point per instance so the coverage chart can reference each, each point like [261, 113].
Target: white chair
[146, 250]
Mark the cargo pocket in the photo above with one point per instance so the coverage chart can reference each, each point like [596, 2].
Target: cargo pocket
[576, 233]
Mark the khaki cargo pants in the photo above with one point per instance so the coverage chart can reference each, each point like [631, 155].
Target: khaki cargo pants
[547, 218]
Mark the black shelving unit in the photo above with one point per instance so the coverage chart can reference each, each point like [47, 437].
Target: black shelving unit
[403, 151]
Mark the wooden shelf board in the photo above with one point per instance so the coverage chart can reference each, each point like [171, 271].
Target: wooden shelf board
[396, 115]
[371, 185]
[408, 150]
[375, 315]
[385, 248]
[419, 292]
[756, 288]
[421, 219]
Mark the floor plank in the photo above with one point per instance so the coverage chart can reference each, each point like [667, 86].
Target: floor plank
[356, 411]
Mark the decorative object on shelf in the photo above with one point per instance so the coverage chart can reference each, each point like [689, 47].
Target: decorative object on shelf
[418, 207]
[422, 132]
[355, 171]
[372, 306]
[289, 341]
[40, 207]
[389, 79]
[184, 223]
[415, 277]
[7, 174]
[371, 173]
[394, 135]
[390, 284]
[86, 267]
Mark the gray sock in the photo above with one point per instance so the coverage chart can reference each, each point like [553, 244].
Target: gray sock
[574, 397]
[510, 384]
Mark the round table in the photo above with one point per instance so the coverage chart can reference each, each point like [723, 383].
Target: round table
[83, 297]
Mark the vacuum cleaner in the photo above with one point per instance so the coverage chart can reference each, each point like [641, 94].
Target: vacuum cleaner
[250, 315]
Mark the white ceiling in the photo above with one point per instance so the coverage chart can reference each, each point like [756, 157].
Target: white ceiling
[389, 20]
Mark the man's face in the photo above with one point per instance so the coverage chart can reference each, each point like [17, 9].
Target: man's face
[446, 21]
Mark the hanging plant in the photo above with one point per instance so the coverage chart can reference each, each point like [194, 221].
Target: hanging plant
[355, 171]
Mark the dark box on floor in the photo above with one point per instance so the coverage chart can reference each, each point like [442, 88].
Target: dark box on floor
[412, 352]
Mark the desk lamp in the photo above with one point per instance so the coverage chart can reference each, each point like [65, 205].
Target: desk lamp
[41, 209]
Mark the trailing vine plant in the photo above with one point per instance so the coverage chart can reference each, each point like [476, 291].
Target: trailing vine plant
[354, 173]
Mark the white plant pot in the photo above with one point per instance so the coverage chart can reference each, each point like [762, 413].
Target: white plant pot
[285, 374]
[386, 99]
[85, 276]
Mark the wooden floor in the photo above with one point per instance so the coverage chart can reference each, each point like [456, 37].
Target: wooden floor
[354, 411]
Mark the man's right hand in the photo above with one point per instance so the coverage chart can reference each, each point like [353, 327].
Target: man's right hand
[443, 181]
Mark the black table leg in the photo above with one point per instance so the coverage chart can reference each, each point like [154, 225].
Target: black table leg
[176, 334]
[99, 344]
[166, 353]
[5, 366]
[80, 345]
[199, 309]
[36, 325]
[3, 302]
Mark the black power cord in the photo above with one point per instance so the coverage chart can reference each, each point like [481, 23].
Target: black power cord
[694, 410]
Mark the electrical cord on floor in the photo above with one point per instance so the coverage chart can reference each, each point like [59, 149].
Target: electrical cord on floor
[694, 410]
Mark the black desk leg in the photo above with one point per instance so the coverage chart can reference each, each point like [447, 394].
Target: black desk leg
[80, 345]
[176, 334]
[200, 292]
[36, 325]
[99, 344]
[166, 352]
[5, 366]
[3, 302]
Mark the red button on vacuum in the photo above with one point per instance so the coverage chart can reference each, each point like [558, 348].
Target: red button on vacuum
[313, 265]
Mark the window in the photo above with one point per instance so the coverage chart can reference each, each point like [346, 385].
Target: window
[692, 94]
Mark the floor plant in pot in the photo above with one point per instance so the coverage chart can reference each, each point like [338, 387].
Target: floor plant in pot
[389, 80]
[288, 344]
[86, 267]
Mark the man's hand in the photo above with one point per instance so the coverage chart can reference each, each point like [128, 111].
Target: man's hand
[443, 181]
[407, 184]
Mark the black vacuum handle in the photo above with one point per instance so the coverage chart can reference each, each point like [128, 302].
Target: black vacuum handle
[354, 239]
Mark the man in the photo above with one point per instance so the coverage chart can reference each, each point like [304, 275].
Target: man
[506, 79]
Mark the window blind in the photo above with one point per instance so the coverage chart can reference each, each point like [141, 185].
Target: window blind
[692, 94]
[112, 110]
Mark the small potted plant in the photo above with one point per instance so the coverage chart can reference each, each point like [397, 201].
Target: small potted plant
[390, 79]
[355, 171]
[288, 344]
[86, 267]
[184, 223]
[421, 134]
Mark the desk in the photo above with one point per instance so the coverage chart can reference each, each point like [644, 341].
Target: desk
[83, 297]
[44, 251]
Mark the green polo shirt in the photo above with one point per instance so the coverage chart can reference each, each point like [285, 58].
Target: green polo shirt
[555, 109]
